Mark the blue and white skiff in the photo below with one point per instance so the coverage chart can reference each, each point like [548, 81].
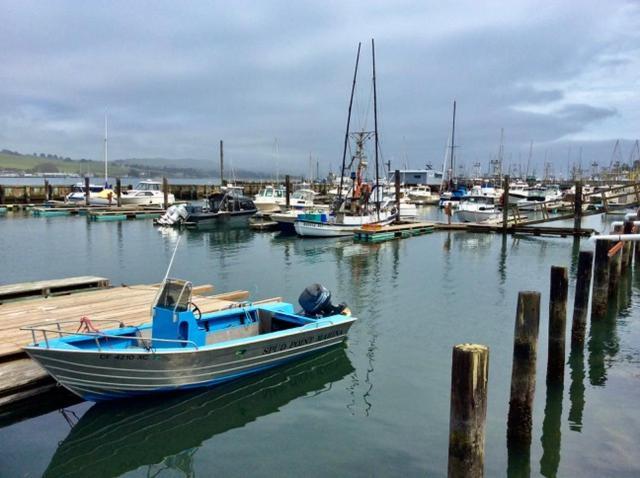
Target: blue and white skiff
[182, 348]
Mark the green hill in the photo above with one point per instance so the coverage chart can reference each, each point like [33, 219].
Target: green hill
[28, 163]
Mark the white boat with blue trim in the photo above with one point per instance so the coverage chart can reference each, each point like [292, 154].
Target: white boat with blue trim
[183, 348]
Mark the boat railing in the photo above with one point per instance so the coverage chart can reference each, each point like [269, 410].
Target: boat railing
[44, 329]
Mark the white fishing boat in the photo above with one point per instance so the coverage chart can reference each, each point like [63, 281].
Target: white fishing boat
[148, 193]
[271, 199]
[422, 195]
[340, 224]
[362, 204]
[477, 208]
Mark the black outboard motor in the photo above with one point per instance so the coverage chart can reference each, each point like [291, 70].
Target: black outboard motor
[315, 300]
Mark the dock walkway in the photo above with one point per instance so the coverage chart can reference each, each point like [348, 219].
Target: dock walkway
[51, 287]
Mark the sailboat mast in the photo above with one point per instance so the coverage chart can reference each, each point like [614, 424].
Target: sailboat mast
[375, 123]
[106, 173]
[453, 142]
[346, 134]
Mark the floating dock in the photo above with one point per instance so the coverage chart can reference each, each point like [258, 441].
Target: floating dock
[21, 379]
[387, 233]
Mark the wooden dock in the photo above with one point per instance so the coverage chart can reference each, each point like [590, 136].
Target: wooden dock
[388, 233]
[99, 213]
[46, 288]
[22, 379]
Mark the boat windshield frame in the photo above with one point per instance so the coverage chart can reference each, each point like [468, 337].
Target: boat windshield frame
[172, 288]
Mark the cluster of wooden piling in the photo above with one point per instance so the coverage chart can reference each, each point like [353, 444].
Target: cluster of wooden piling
[470, 374]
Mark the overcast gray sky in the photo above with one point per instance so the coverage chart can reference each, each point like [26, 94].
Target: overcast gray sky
[176, 77]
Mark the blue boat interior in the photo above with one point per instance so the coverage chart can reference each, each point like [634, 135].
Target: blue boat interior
[178, 323]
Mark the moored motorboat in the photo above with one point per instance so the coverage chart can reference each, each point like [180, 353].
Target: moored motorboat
[477, 208]
[183, 348]
[78, 193]
[270, 199]
[221, 208]
[146, 193]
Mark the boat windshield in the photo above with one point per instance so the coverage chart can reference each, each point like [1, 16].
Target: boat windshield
[148, 187]
[175, 295]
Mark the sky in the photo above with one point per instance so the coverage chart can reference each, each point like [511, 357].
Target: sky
[272, 79]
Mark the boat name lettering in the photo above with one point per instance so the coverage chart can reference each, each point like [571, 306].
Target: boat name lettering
[302, 341]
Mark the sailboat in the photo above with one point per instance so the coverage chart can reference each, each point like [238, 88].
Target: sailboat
[106, 196]
[451, 196]
[362, 204]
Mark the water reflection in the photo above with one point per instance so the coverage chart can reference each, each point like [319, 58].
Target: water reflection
[603, 344]
[551, 435]
[577, 388]
[165, 432]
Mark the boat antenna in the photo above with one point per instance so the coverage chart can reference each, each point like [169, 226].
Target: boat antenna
[346, 134]
[166, 276]
[375, 123]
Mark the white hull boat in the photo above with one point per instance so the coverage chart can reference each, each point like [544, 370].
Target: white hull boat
[340, 226]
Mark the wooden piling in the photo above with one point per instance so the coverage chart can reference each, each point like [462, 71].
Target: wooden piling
[469, 375]
[627, 228]
[523, 372]
[505, 205]
[165, 192]
[118, 192]
[2, 195]
[615, 266]
[557, 324]
[47, 197]
[581, 300]
[600, 293]
[87, 190]
[287, 185]
[577, 208]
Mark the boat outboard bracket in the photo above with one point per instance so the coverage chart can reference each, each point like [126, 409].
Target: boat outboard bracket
[315, 301]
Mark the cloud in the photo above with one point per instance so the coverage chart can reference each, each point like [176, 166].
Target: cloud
[175, 78]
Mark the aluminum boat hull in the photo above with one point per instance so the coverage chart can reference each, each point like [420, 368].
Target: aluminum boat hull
[110, 374]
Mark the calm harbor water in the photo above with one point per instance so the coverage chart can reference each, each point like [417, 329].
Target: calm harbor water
[377, 407]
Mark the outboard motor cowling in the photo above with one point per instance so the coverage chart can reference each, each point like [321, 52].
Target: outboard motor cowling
[315, 301]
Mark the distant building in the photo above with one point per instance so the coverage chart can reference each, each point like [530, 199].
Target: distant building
[414, 177]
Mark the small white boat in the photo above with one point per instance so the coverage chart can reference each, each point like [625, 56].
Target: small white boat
[271, 199]
[147, 193]
[339, 225]
[476, 208]
[422, 195]
[78, 193]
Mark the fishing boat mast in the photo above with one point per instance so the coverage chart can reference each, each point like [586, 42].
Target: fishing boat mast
[346, 134]
[106, 174]
[375, 122]
[453, 142]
